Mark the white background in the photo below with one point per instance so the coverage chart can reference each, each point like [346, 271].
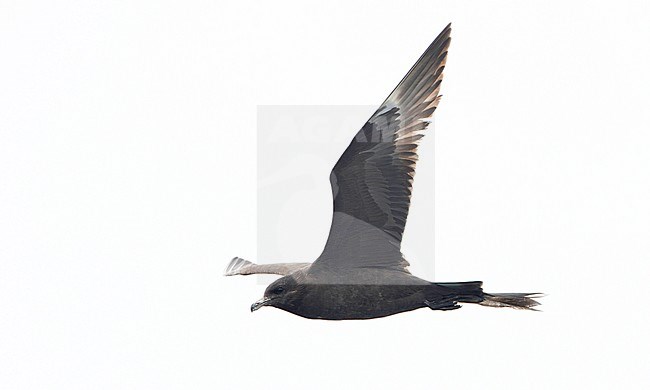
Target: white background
[128, 180]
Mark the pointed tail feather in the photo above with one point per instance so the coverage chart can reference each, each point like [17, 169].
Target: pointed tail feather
[522, 301]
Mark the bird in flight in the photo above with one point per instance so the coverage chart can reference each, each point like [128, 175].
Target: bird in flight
[361, 273]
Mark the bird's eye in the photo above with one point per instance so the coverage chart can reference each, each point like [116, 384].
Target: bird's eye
[278, 290]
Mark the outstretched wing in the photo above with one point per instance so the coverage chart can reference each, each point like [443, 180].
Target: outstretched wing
[372, 181]
[239, 266]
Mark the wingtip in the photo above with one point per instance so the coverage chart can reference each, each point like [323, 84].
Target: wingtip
[445, 34]
[235, 266]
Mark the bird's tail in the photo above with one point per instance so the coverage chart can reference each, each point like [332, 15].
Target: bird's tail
[522, 301]
[471, 292]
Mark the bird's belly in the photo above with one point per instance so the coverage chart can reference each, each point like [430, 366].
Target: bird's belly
[343, 302]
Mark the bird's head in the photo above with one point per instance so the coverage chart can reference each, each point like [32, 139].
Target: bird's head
[283, 294]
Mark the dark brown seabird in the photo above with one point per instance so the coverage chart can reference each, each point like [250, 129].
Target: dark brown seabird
[362, 273]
